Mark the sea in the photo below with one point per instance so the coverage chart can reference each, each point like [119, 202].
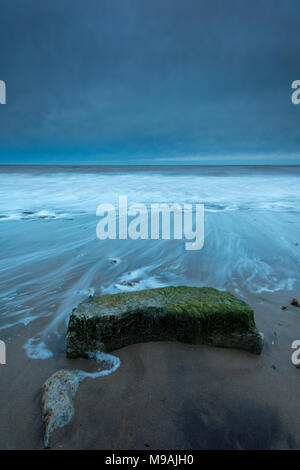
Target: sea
[51, 258]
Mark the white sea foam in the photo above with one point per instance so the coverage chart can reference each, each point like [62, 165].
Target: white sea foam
[25, 321]
[102, 358]
[36, 349]
[51, 195]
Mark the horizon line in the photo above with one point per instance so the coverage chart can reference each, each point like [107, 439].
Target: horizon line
[143, 164]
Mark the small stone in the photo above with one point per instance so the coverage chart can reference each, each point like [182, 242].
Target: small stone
[295, 302]
[58, 393]
[283, 307]
[187, 314]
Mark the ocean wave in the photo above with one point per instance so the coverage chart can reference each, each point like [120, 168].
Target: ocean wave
[24, 196]
[252, 243]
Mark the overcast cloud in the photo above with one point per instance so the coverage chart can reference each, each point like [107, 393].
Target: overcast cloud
[141, 81]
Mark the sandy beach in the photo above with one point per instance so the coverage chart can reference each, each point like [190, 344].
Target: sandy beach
[167, 395]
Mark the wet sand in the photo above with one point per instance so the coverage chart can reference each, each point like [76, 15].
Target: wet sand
[166, 395]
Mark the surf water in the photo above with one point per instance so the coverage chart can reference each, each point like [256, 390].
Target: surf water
[51, 258]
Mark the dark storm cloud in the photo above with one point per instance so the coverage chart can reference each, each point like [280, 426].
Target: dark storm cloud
[140, 80]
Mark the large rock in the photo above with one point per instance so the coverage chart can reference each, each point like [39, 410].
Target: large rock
[188, 314]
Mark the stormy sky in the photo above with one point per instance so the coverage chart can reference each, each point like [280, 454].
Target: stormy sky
[149, 81]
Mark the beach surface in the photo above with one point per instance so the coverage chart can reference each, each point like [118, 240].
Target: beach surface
[164, 395]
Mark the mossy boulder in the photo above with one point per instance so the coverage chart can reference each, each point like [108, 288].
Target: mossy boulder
[197, 315]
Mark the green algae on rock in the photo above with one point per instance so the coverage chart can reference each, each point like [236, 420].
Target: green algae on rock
[197, 315]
